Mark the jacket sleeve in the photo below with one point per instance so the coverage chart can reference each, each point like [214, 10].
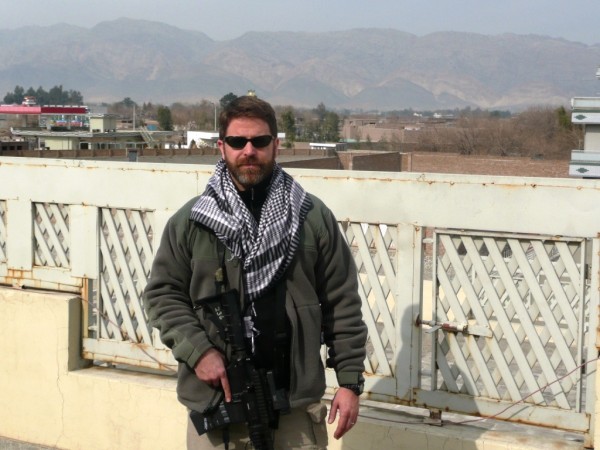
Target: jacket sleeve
[345, 332]
[166, 296]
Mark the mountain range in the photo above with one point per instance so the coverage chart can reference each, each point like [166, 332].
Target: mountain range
[357, 69]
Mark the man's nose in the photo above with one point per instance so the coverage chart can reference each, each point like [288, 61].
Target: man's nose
[249, 149]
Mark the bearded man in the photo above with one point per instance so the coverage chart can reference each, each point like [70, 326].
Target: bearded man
[256, 232]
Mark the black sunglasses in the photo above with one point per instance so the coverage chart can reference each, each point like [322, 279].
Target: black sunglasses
[239, 142]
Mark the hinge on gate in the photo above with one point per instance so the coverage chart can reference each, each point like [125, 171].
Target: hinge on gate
[586, 272]
[435, 417]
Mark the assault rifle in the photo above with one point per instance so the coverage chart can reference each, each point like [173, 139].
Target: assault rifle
[254, 399]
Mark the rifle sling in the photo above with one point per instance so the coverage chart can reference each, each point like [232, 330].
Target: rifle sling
[281, 331]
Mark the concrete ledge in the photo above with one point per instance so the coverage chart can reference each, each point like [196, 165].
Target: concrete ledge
[403, 428]
[50, 398]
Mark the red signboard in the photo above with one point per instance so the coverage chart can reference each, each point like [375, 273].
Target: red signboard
[41, 110]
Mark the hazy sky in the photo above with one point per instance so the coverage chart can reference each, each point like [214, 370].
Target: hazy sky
[575, 20]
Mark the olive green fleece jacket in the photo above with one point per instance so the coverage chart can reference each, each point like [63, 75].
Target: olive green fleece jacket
[321, 295]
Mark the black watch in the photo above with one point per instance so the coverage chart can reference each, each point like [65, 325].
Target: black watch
[356, 388]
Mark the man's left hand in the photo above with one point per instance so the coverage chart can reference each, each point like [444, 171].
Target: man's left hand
[345, 403]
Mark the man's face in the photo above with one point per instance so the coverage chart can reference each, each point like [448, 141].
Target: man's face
[249, 165]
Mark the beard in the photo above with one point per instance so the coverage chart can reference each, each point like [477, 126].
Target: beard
[247, 176]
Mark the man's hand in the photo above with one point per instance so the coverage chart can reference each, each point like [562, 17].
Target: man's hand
[210, 368]
[345, 403]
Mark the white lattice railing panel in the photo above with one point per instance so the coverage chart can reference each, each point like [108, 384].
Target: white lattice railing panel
[374, 249]
[2, 231]
[515, 315]
[125, 261]
[51, 235]
[513, 310]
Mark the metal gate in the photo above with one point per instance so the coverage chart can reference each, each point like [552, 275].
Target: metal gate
[509, 336]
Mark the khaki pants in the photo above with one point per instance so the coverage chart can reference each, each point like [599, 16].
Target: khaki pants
[304, 428]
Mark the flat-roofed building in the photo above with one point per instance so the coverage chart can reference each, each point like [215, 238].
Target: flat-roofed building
[585, 162]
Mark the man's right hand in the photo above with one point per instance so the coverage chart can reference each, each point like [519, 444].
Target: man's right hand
[210, 368]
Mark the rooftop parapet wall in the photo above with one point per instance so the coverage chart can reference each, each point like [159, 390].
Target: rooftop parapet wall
[49, 398]
[121, 208]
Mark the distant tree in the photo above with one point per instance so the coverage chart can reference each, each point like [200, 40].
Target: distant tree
[287, 124]
[227, 99]
[321, 125]
[76, 98]
[200, 116]
[147, 111]
[56, 96]
[330, 127]
[564, 119]
[128, 102]
[321, 111]
[164, 118]
[180, 115]
[536, 132]
[15, 96]
[466, 136]
[38, 94]
[499, 114]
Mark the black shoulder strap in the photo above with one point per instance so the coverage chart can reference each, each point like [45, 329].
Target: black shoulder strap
[281, 345]
[280, 318]
[221, 279]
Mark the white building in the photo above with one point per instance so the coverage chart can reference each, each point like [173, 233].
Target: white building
[586, 112]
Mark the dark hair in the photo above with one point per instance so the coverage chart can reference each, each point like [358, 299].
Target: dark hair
[248, 106]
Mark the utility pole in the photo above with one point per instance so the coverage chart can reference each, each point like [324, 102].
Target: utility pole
[215, 104]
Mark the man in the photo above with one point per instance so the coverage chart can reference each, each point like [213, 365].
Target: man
[281, 250]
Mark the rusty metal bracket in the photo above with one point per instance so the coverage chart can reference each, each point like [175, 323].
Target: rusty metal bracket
[435, 418]
[469, 327]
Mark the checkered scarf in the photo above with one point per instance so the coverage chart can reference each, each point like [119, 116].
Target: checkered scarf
[265, 248]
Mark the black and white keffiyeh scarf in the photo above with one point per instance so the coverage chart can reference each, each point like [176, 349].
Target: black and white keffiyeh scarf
[265, 248]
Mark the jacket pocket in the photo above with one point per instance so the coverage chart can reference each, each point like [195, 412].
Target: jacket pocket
[309, 376]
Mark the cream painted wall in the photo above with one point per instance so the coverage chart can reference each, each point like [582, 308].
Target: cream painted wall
[44, 402]
[61, 143]
[49, 397]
